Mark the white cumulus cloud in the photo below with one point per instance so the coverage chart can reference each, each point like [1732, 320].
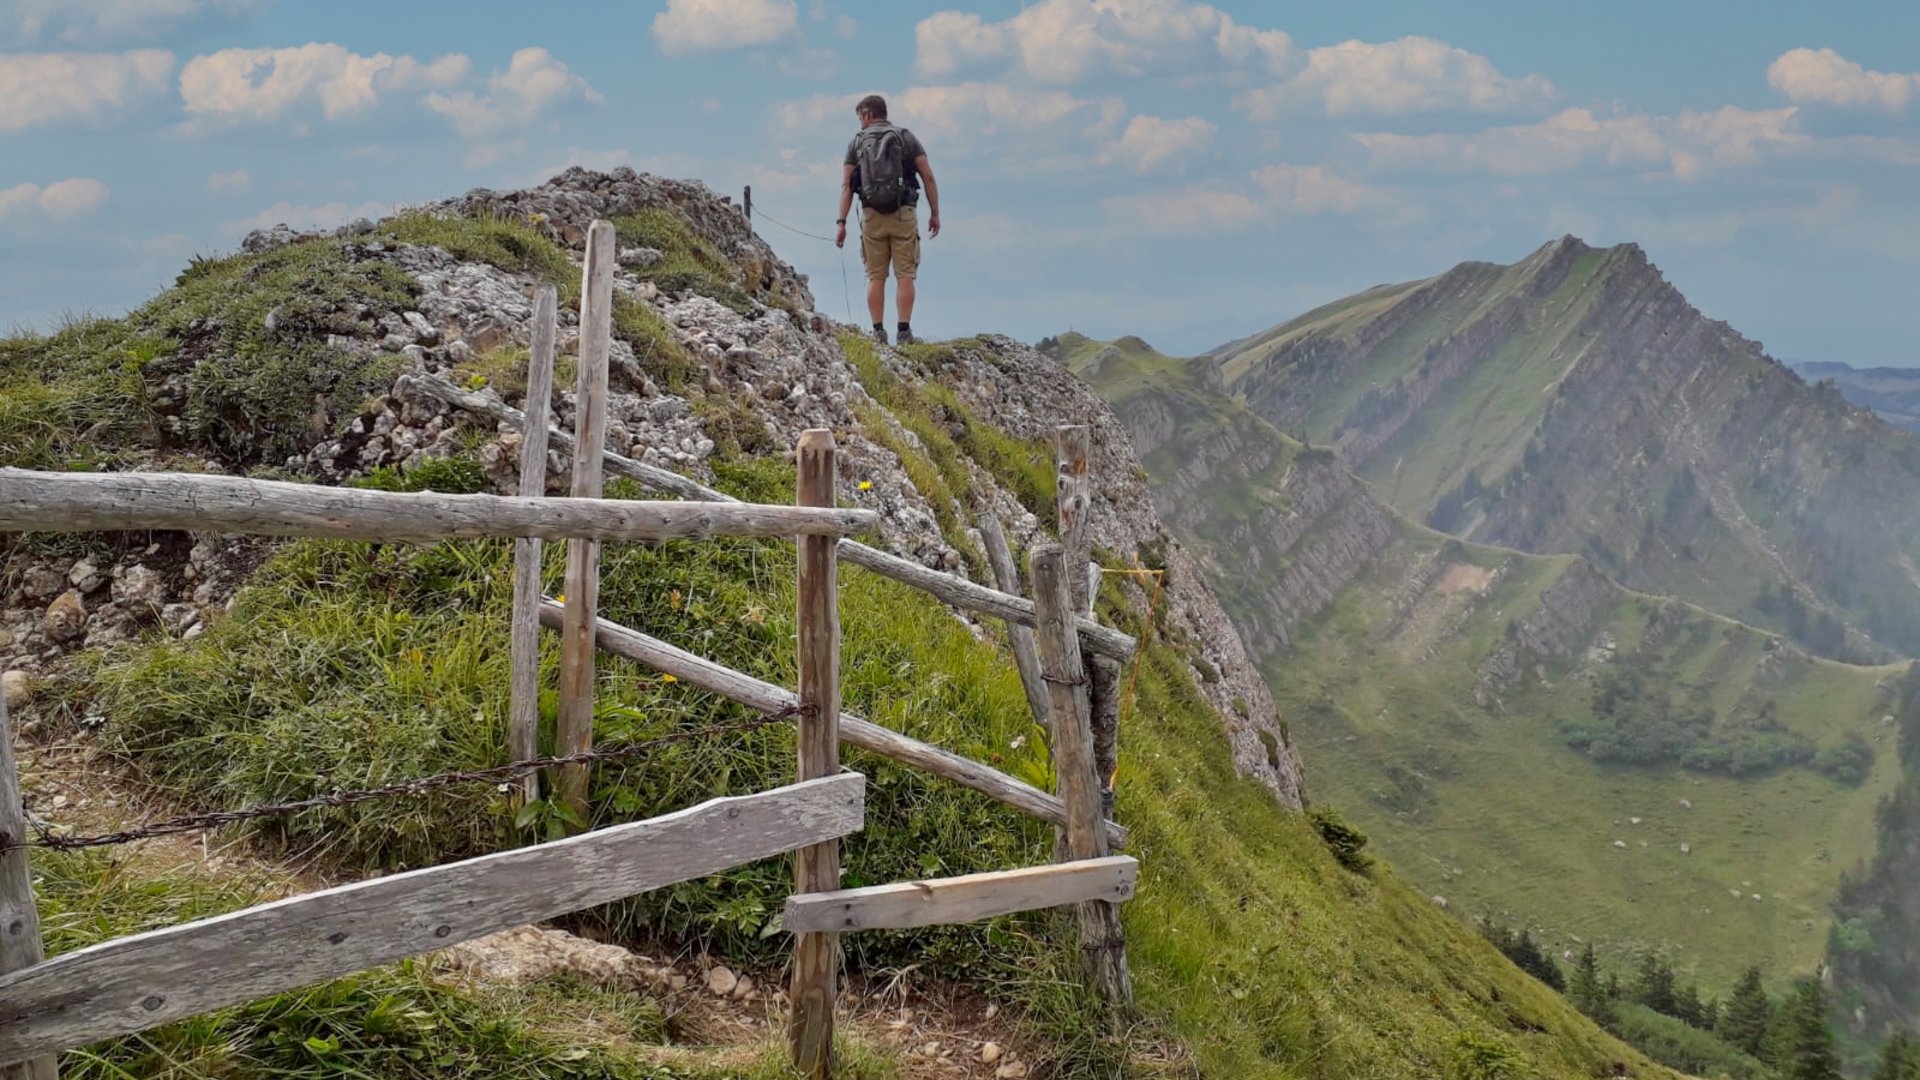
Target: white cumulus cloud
[955, 120]
[1685, 144]
[48, 88]
[1407, 75]
[1150, 143]
[237, 180]
[1311, 189]
[692, 26]
[533, 83]
[1824, 77]
[264, 84]
[61, 199]
[71, 21]
[1069, 41]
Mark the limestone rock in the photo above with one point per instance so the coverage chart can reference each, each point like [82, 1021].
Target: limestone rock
[13, 687]
[990, 1053]
[721, 980]
[65, 618]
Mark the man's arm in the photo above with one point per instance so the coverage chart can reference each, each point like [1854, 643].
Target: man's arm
[933, 194]
[846, 203]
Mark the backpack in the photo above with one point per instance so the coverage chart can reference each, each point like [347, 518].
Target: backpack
[882, 160]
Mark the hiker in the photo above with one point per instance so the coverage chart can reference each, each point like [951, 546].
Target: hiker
[886, 166]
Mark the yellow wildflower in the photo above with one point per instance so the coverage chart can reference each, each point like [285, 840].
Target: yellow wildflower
[669, 678]
[866, 485]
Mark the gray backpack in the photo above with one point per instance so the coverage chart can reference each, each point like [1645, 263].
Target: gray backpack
[882, 160]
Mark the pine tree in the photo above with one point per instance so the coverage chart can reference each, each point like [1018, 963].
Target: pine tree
[1586, 991]
[1898, 1059]
[1806, 1046]
[1654, 985]
[1613, 986]
[1747, 1016]
[1687, 1007]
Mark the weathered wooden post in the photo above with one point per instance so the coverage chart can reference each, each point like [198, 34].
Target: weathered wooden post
[1020, 638]
[1073, 502]
[816, 959]
[19, 918]
[1102, 943]
[574, 733]
[523, 718]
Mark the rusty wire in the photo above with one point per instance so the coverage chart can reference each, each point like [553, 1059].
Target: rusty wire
[45, 838]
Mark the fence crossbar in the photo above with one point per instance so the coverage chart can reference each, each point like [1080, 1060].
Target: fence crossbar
[963, 899]
[93, 502]
[133, 983]
[754, 693]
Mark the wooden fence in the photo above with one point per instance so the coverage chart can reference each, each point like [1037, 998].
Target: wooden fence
[133, 983]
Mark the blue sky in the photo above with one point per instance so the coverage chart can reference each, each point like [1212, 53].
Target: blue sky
[1185, 171]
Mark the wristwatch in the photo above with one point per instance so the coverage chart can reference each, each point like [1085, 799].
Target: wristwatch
[841, 221]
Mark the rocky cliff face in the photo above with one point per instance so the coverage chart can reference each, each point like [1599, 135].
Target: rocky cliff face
[1576, 403]
[753, 368]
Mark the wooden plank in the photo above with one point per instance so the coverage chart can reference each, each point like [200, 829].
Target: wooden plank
[1073, 502]
[965, 899]
[573, 729]
[523, 718]
[19, 916]
[133, 983]
[1019, 638]
[957, 591]
[700, 672]
[99, 502]
[1102, 945]
[816, 961]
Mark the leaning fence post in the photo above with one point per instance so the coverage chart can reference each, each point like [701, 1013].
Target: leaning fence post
[1019, 638]
[574, 733]
[19, 919]
[1102, 944]
[816, 959]
[523, 719]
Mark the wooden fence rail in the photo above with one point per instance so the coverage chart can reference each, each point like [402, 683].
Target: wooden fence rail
[134, 983]
[964, 899]
[698, 671]
[96, 502]
[957, 591]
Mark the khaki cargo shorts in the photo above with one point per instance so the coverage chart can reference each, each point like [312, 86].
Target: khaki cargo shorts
[890, 239]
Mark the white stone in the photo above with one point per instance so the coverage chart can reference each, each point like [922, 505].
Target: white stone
[13, 687]
[721, 980]
[1620, 843]
[990, 1053]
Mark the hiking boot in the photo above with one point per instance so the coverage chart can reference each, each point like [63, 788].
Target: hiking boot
[880, 335]
[905, 337]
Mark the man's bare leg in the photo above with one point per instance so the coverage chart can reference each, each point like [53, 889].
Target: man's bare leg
[877, 299]
[903, 297]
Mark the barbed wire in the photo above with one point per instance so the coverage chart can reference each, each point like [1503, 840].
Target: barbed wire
[46, 838]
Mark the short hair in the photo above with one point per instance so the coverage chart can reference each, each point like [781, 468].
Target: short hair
[873, 105]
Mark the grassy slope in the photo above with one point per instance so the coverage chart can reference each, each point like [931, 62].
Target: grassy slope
[353, 664]
[1384, 711]
[1443, 785]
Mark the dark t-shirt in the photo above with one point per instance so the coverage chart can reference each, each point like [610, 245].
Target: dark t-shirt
[909, 143]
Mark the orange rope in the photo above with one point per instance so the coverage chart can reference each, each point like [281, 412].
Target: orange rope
[1140, 652]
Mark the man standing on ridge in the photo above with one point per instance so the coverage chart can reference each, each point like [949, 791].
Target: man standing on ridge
[886, 166]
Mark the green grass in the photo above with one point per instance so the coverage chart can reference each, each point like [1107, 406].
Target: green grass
[88, 396]
[1492, 809]
[690, 262]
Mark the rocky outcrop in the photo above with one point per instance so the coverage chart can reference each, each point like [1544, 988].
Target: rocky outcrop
[1559, 627]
